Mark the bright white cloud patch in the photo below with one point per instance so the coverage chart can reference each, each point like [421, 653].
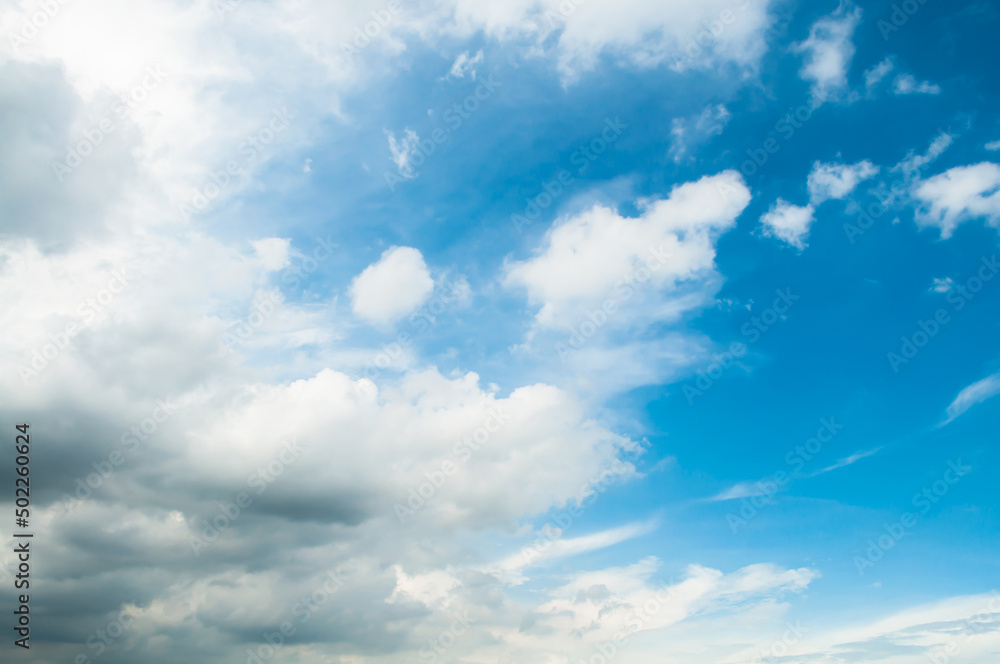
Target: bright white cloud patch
[958, 194]
[391, 288]
[273, 252]
[828, 51]
[789, 223]
[683, 35]
[585, 257]
[828, 181]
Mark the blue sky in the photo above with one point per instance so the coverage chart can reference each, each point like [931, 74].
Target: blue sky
[562, 310]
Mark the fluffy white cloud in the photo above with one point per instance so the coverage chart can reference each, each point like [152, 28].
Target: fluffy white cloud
[828, 51]
[958, 194]
[828, 181]
[586, 257]
[273, 251]
[393, 287]
[789, 223]
[646, 33]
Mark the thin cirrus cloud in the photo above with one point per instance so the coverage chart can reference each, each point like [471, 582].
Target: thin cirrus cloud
[971, 396]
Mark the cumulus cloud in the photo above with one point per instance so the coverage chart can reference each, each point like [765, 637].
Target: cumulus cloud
[837, 181]
[585, 257]
[959, 194]
[391, 288]
[828, 51]
[789, 223]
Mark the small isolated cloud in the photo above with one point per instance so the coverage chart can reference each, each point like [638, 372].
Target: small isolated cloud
[906, 84]
[391, 288]
[465, 65]
[914, 162]
[958, 194]
[973, 395]
[993, 146]
[741, 490]
[942, 285]
[829, 51]
[875, 75]
[689, 132]
[789, 223]
[828, 181]
[403, 149]
[847, 461]
[273, 252]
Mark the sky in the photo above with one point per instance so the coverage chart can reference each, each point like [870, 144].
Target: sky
[529, 331]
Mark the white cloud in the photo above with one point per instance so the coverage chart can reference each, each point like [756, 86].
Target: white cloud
[828, 181]
[906, 84]
[829, 50]
[273, 252]
[465, 65]
[973, 395]
[789, 223]
[958, 194]
[689, 132]
[875, 75]
[644, 34]
[403, 149]
[584, 257]
[942, 284]
[741, 490]
[391, 288]
[993, 146]
[914, 162]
